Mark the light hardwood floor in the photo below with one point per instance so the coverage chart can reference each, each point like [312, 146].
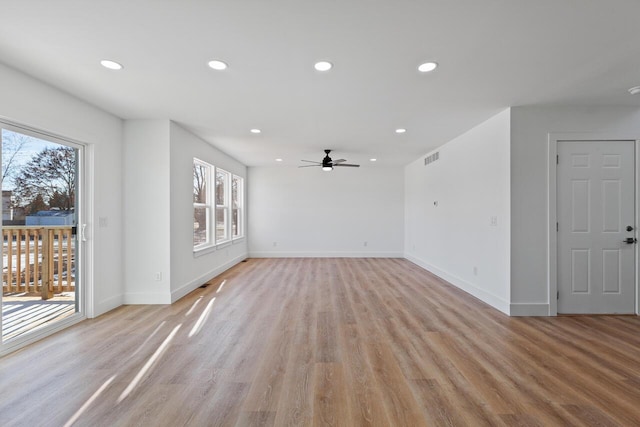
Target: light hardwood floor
[351, 342]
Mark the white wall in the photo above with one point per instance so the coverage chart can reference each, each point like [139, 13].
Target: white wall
[29, 102]
[160, 265]
[147, 243]
[307, 212]
[189, 271]
[530, 131]
[26, 101]
[470, 183]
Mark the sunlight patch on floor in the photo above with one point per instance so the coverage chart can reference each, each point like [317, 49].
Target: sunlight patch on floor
[203, 318]
[88, 403]
[195, 303]
[155, 331]
[221, 285]
[147, 366]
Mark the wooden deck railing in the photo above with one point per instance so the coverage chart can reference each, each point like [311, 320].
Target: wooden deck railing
[37, 255]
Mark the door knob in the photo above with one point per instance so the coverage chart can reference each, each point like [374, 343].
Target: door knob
[630, 240]
[629, 228]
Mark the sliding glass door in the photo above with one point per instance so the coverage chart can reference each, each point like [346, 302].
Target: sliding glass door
[41, 248]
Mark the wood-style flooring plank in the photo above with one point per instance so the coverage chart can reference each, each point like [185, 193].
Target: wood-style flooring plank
[330, 394]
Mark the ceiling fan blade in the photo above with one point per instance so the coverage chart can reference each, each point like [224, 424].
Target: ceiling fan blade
[328, 163]
[309, 166]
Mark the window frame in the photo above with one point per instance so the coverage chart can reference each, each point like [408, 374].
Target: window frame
[224, 207]
[209, 197]
[227, 208]
[240, 207]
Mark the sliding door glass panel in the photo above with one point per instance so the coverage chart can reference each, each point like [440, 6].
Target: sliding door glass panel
[40, 285]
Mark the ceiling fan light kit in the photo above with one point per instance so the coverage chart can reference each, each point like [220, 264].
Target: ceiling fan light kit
[328, 164]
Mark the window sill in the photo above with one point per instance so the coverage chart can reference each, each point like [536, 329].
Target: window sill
[212, 248]
[204, 251]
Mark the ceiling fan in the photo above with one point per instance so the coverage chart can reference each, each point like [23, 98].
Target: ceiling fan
[327, 164]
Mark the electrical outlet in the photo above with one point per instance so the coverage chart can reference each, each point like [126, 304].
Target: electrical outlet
[275, 244]
[493, 221]
[475, 271]
[159, 276]
[366, 243]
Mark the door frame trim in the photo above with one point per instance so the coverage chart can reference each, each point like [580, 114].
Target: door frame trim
[552, 216]
[85, 210]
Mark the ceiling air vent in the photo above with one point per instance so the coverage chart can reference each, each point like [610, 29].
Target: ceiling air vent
[432, 158]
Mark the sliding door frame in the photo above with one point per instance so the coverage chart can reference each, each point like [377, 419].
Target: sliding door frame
[84, 246]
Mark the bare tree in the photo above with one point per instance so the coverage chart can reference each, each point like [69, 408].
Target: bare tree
[199, 196]
[199, 183]
[51, 174]
[12, 144]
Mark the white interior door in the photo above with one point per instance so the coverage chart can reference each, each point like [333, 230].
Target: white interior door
[596, 216]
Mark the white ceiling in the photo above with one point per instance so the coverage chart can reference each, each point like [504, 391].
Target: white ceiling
[492, 54]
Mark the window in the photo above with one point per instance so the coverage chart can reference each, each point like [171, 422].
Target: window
[217, 206]
[201, 204]
[237, 199]
[222, 205]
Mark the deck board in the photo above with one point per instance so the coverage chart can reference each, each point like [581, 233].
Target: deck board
[22, 315]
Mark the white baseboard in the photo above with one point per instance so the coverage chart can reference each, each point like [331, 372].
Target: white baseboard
[494, 301]
[530, 310]
[195, 283]
[276, 254]
[107, 305]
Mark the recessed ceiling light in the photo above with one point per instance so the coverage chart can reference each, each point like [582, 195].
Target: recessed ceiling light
[323, 66]
[401, 130]
[634, 90]
[373, 160]
[112, 65]
[427, 66]
[255, 131]
[278, 160]
[218, 65]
